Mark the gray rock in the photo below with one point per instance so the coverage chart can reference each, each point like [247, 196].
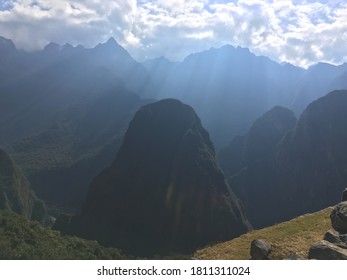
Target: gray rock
[324, 250]
[294, 256]
[334, 237]
[338, 217]
[344, 195]
[343, 238]
[260, 249]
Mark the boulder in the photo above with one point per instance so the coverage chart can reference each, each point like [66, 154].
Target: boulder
[334, 237]
[260, 249]
[338, 217]
[324, 250]
[344, 195]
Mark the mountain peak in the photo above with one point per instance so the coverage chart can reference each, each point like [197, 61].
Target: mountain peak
[52, 47]
[111, 41]
[6, 45]
[111, 47]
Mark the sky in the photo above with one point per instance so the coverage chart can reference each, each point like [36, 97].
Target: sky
[300, 32]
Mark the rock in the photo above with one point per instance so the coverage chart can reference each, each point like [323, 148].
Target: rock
[344, 195]
[343, 238]
[260, 249]
[324, 250]
[338, 217]
[294, 256]
[334, 237]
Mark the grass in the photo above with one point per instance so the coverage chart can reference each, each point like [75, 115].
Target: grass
[294, 236]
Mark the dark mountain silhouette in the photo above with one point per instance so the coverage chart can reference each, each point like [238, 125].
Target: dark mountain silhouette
[15, 193]
[259, 142]
[305, 172]
[164, 192]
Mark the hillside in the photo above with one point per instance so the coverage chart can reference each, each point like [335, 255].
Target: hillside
[16, 194]
[22, 239]
[294, 236]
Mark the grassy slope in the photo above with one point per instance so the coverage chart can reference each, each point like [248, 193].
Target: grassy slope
[23, 239]
[289, 237]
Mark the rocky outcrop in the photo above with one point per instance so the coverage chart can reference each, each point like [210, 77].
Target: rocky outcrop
[334, 245]
[164, 192]
[15, 193]
[339, 217]
[335, 237]
[324, 250]
[260, 249]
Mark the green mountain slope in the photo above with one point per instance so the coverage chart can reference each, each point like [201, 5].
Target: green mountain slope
[23, 239]
[15, 193]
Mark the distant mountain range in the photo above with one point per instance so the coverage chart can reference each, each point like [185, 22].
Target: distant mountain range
[230, 87]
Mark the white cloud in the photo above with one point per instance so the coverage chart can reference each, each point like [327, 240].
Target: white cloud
[300, 32]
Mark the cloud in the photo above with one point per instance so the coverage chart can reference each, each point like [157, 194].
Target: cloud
[300, 32]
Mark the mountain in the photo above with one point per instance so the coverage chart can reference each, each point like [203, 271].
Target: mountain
[259, 142]
[305, 171]
[164, 191]
[15, 193]
[7, 47]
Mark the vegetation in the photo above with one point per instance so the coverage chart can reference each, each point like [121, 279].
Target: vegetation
[295, 236]
[23, 239]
